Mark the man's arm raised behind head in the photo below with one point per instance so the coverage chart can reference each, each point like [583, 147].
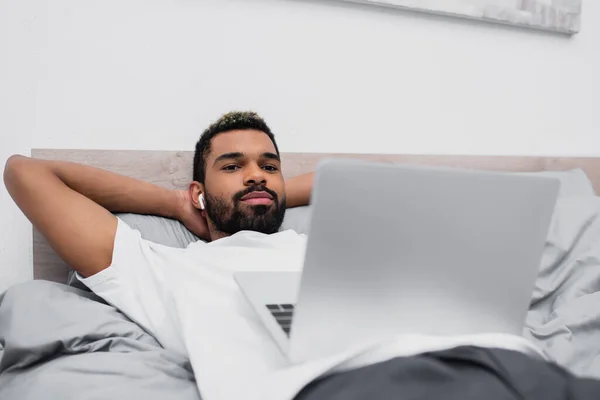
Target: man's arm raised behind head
[71, 205]
[299, 189]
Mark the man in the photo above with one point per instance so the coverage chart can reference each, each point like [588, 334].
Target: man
[188, 300]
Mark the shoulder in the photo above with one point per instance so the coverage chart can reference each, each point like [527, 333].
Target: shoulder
[292, 235]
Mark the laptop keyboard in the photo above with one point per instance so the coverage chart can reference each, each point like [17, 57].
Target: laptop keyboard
[283, 314]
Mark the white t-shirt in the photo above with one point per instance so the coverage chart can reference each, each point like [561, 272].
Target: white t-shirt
[188, 300]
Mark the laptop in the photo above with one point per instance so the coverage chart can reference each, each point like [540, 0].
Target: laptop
[396, 249]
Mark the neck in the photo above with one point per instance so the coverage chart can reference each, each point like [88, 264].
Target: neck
[215, 234]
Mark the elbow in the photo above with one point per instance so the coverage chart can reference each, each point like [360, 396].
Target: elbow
[14, 159]
[14, 164]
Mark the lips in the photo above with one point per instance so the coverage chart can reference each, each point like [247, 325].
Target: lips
[258, 197]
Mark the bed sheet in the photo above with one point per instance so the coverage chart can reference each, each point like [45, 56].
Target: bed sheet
[64, 343]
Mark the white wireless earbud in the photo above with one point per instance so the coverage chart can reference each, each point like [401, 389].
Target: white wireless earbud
[201, 201]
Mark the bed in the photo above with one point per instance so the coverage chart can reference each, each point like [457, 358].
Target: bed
[111, 357]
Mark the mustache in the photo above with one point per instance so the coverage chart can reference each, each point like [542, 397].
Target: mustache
[258, 188]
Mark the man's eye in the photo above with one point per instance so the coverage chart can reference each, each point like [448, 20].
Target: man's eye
[231, 167]
[270, 168]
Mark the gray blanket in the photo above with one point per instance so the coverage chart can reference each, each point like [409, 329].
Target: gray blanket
[564, 318]
[64, 343]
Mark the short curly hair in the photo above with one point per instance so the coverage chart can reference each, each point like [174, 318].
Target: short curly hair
[235, 120]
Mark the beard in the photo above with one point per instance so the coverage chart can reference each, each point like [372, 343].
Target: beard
[232, 217]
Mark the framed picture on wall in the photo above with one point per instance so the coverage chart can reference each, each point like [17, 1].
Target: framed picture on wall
[552, 15]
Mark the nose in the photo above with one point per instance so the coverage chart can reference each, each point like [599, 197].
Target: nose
[255, 176]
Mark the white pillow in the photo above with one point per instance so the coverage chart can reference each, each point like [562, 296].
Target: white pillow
[296, 219]
[573, 183]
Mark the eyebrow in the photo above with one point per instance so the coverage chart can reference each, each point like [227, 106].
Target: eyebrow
[237, 155]
[271, 156]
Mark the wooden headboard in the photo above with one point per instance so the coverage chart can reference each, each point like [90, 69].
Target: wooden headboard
[173, 170]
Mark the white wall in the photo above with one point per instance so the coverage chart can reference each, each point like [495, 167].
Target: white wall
[328, 77]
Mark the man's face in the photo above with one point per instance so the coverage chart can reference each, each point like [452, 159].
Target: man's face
[244, 188]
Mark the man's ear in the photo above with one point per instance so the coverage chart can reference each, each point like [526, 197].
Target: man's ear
[195, 189]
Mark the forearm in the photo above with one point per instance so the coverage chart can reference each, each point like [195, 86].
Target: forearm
[298, 190]
[114, 192]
